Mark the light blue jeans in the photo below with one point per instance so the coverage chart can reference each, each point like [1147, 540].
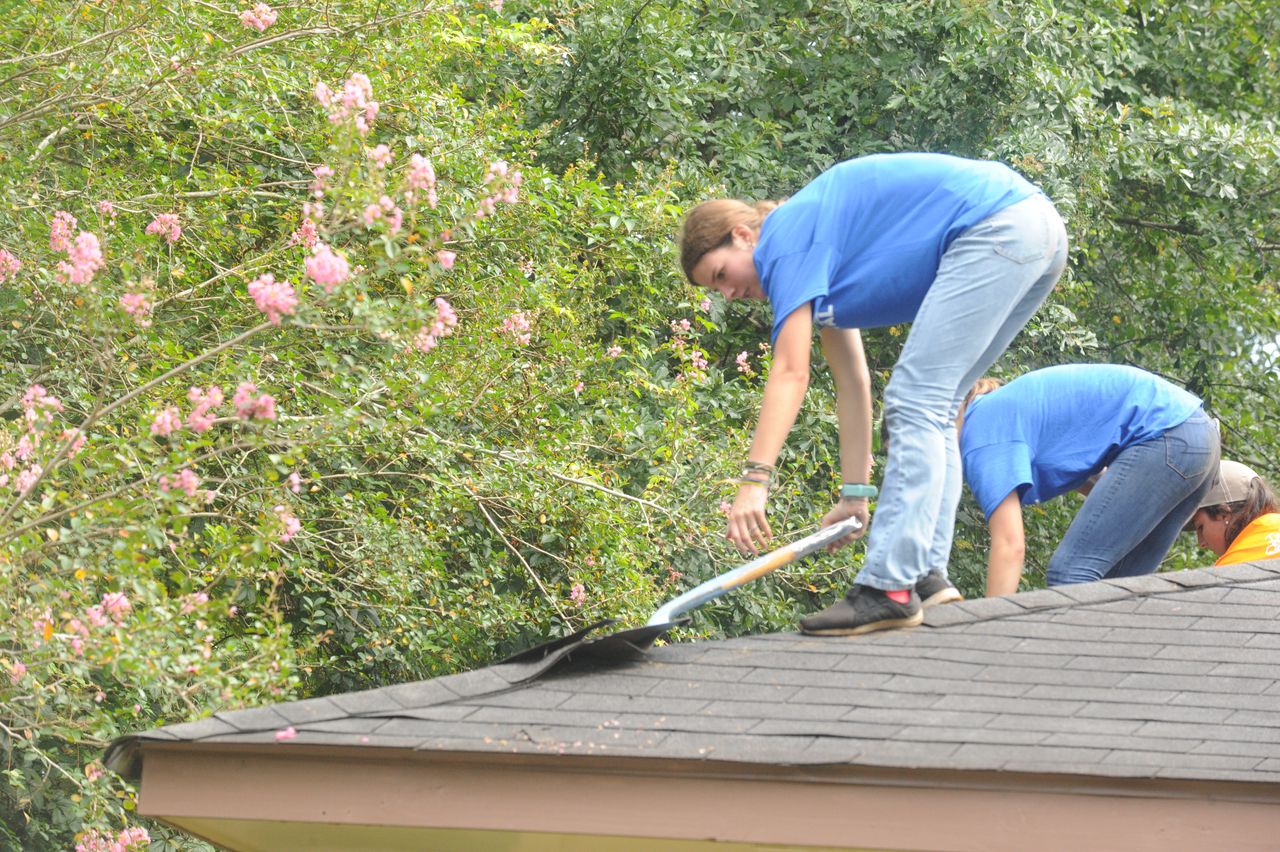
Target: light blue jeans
[991, 280]
[1139, 505]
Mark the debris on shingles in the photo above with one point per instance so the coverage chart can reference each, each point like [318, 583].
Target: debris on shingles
[1169, 676]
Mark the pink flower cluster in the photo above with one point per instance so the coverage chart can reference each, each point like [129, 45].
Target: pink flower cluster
[84, 259]
[355, 100]
[613, 351]
[578, 594]
[107, 210]
[698, 360]
[321, 182]
[306, 235]
[38, 409]
[327, 268]
[744, 365]
[203, 401]
[258, 18]
[517, 325]
[680, 326]
[506, 187]
[421, 177]
[429, 336]
[60, 230]
[380, 155]
[9, 265]
[110, 612]
[249, 407]
[128, 840]
[185, 481]
[17, 671]
[166, 227]
[193, 601]
[166, 422]
[138, 306]
[446, 258]
[273, 298]
[289, 524]
[394, 215]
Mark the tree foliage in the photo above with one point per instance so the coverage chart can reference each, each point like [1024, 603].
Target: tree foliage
[419, 497]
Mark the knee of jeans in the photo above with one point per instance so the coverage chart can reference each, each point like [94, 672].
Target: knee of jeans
[903, 408]
[1058, 574]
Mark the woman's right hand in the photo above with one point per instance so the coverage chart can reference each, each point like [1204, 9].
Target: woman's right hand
[748, 527]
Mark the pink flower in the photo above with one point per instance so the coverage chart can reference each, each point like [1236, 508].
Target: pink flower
[84, 259]
[287, 734]
[273, 298]
[496, 5]
[129, 840]
[166, 422]
[93, 771]
[16, 671]
[166, 227]
[613, 351]
[294, 482]
[446, 258]
[248, 407]
[578, 594]
[305, 236]
[517, 325]
[380, 155]
[324, 94]
[578, 388]
[137, 306]
[371, 214]
[321, 182]
[117, 605]
[77, 439]
[725, 507]
[743, 365]
[355, 101]
[421, 177]
[327, 268]
[186, 480]
[705, 304]
[60, 230]
[199, 420]
[289, 524]
[191, 601]
[107, 210]
[698, 360]
[680, 326]
[9, 265]
[258, 18]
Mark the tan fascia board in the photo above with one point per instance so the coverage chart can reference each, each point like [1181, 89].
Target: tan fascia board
[829, 806]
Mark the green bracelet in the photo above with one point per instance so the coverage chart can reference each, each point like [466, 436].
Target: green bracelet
[858, 491]
[745, 481]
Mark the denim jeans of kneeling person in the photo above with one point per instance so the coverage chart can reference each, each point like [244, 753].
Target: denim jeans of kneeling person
[991, 280]
[1139, 505]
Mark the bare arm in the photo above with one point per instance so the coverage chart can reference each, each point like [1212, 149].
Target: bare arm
[1008, 547]
[848, 364]
[783, 394]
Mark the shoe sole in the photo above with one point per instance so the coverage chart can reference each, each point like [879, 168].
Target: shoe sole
[943, 596]
[871, 627]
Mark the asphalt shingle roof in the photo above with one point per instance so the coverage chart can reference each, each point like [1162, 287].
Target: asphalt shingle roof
[1167, 676]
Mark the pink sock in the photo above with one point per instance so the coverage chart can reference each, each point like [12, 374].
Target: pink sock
[901, 596]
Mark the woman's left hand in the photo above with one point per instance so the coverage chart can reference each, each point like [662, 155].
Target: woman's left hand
[847, 509]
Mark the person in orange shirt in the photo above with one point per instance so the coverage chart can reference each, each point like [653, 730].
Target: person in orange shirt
[1239, 519]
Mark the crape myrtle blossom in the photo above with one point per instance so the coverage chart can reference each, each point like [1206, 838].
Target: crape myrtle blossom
[185, 481]
[107, 210]
[9, 265]
[380, 155]
[306, 235]
[613, 351]
[137, 306]
[128, 840]
[203, 401]
[578, 594]
[294, 482]
[166, 422]
[258, 18]
[321, 182]
[249, 407]
[60, 230]
[428, 336]
[421, 178]
[506, 188]
[517, 325]
[166, 227]
[84, 259]
[273, 298]
[327, 268]
[289, 524]
[446, 258]
[354, 101]
[38, 404]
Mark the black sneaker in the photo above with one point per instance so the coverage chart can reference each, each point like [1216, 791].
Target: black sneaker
[933, 589]
[862, 610]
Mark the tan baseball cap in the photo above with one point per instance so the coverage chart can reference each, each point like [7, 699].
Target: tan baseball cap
[1230, 485]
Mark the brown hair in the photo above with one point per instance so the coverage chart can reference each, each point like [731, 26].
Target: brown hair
[1259, 501]
[710, 225]
[982, 386]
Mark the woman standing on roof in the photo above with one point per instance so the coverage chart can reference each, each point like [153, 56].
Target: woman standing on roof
[1239, 519]
[963, 249]
[1049, 431]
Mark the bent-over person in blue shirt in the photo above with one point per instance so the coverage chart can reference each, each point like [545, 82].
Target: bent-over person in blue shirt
[1049, 431]
[964, 250]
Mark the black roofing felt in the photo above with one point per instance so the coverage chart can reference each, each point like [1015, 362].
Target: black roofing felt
[1169, 676]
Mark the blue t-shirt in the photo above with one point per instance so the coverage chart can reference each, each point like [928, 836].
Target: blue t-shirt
[863, 240]
[1046, 432]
